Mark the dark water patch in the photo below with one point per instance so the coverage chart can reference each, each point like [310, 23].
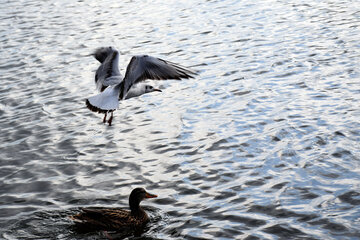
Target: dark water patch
[339, 133]
[279, 185]
[228, 233]
[351, 197]
[339, 153]
[238, 200]
[285, 231]
[247, 221]
[320, 141]
[219, 145]
[327, 224]
[309, 195]
[274, 211]
[230, 73]
[224, 195]
[240, 93]
[258, 182]
[188, 191]
[175, 149]
[330, 175]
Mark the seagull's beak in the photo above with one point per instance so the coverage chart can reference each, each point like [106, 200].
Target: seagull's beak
[157, 90]
[149, 195]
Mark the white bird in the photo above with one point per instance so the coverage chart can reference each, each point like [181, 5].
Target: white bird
[114, 87]
[108, 74]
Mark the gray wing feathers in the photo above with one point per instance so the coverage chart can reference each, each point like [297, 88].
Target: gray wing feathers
[145, 67]
[114, 87]
[108, 73]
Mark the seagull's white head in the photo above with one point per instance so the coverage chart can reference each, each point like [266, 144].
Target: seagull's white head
[149, 89]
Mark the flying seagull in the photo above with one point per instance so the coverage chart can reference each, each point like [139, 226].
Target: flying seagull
[107, 75]
[114, 87]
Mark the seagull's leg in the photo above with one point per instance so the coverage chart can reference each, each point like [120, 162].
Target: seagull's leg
[104, 120]
[110, 119]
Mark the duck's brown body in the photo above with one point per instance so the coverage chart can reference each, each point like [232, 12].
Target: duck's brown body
[109, 218]
[115, 218]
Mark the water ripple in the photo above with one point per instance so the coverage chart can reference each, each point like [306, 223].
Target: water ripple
[263, 144]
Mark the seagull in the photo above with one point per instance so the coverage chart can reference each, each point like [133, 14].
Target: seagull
[107, 75]
[114, 87]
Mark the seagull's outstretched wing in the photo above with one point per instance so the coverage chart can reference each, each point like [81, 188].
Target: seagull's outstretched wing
[139, 69]
[108, 73]
[145, 67]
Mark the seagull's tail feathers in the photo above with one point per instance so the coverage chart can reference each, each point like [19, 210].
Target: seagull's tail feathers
[106, 101]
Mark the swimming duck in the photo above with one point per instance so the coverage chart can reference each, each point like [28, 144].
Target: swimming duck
[113, 218]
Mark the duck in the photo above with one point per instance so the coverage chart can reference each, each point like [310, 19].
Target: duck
[113, 87]
[112, 219]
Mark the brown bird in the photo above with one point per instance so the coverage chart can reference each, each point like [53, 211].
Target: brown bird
[112, 219]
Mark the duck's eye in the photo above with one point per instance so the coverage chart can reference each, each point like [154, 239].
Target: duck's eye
[151, 87]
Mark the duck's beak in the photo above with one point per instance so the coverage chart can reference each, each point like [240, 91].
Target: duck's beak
[149, 195]
[157, 90]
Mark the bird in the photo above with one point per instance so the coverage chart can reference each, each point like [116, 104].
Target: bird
[107, 75]
[113, 219]
[114, 88]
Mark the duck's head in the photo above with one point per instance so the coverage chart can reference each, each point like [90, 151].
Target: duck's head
[136, 196]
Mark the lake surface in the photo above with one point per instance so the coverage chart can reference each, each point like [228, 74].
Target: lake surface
[263, 144]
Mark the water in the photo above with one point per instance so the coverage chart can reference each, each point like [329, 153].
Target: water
[263, 144]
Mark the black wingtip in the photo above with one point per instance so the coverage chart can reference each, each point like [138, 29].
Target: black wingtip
[102, 53]
[185, 71]
[96, 109]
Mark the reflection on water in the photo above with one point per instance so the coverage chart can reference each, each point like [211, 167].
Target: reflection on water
[263, 144]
